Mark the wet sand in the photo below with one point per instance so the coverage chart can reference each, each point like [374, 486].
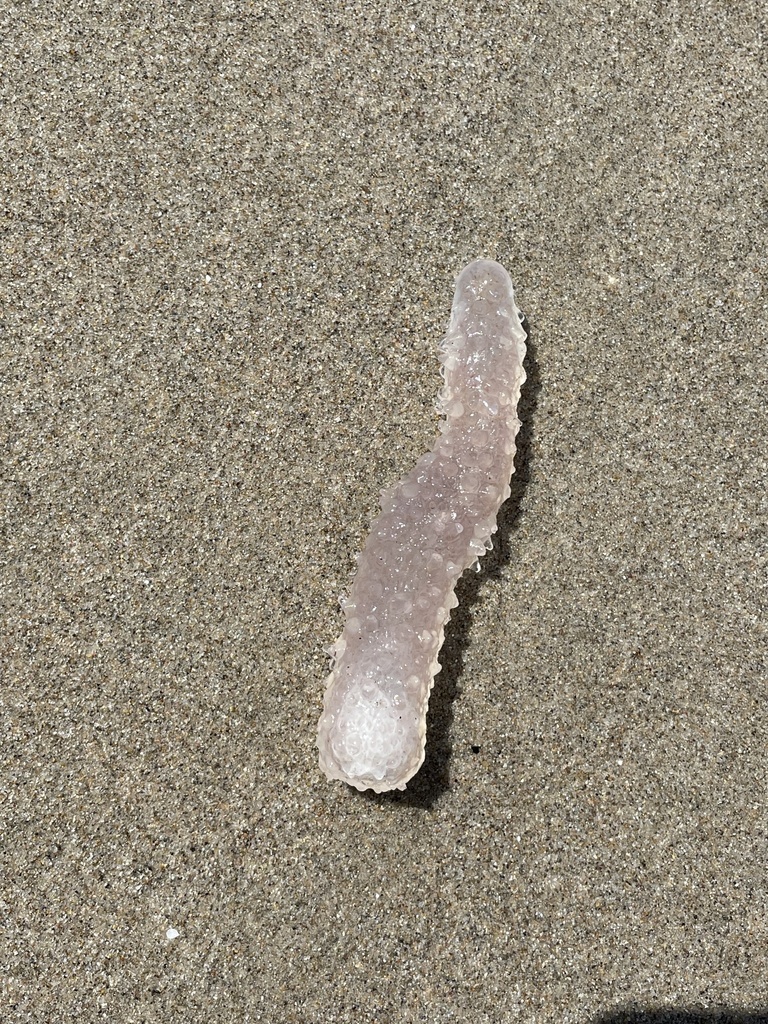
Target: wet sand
[230, 237]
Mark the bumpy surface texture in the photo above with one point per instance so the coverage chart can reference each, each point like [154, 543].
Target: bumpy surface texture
[434, 524]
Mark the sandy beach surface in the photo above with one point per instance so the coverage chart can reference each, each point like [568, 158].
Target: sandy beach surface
[229, 234]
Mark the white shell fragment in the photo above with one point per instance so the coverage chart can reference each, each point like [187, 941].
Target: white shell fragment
[433, 525]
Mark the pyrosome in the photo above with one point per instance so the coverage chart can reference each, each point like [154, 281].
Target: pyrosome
[433, 525]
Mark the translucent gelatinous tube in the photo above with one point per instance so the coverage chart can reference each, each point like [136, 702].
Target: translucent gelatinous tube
[433, 524]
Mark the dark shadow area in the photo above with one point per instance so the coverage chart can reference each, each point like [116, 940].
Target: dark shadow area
[682, 1015]
[433, 777]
